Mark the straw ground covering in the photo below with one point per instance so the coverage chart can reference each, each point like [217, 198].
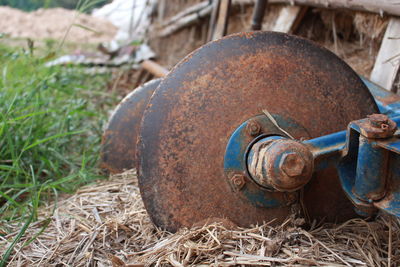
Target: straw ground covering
[105, 224]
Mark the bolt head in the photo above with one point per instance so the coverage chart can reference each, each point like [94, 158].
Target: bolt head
[376, 126]
[292, 164]
[253, 128]
[378, 120]
[238, 181]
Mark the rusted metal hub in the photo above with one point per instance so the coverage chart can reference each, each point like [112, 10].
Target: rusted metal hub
[186, 168]
[283, 164]
[235, 162]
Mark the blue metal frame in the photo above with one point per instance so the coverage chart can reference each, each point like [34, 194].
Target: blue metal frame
[387, 102]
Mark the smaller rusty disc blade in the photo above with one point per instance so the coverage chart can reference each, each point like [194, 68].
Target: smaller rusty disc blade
[118, 152]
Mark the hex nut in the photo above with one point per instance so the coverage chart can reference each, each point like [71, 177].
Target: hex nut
[378, 120]
[291, 198]
[253, 128]
[238, 181]
[292, 164]
[376, 126]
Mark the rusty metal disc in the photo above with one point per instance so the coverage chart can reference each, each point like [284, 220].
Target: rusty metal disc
[199, 104]
[118, 152]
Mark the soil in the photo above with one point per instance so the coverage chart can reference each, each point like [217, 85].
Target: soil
[54, 24]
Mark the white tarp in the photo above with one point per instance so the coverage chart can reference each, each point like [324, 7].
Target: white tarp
[132, 17]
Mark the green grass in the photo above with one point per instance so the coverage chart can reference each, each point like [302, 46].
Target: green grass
[51, 123]
[29, 5]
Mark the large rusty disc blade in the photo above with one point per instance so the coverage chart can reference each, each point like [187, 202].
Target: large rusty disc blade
[198, 105]
[118, 152]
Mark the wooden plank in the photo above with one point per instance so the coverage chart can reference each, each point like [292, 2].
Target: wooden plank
[161, 10]
[283, 18]
[288, 19]
[213, 19]
[391, 7]
[222, 21]
[387, 62]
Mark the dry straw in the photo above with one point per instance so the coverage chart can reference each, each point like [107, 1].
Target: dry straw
[106, 225]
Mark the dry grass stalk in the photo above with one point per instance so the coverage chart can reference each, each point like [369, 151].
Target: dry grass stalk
[370, 25]
[106, 225]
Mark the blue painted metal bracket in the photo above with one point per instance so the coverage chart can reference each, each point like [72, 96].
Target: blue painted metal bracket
[367, 167]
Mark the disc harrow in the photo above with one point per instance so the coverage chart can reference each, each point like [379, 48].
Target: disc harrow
[256, 126]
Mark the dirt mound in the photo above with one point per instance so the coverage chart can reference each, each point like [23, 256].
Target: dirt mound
[54, 24]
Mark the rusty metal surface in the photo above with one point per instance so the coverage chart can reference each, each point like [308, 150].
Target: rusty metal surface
[118, 152]
[210, 93]
[376, 126]
[284, 164]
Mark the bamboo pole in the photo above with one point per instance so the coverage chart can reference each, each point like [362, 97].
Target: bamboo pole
[154, 68]
[186, 21]
[192, 9]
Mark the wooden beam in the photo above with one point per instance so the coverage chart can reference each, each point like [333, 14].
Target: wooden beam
[289, 18]
[190, 10]
[213, 19]
[283, 18]
[222, 21]
[386, 66]
[185, 21]
[391, 7]
[161, 10]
